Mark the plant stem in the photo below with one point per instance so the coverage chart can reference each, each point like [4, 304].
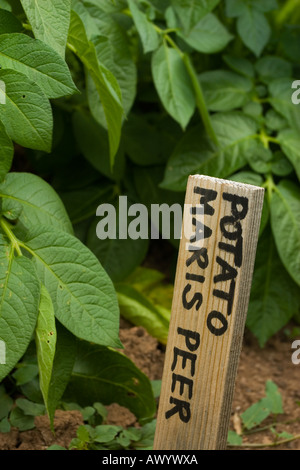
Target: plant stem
[71, 48]
[273, 139]
[264, 428]
[27, 26]
[272, 444]
[201, 105]
[261, 100]
[164, 33]
[273, 425]
[267, 139]
[270, 186]
[6, 227]
[200, 101]
[286, 11]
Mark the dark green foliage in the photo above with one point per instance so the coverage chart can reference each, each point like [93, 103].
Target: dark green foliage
[107, 98]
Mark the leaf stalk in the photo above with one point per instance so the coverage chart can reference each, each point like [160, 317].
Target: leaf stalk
[6, 227]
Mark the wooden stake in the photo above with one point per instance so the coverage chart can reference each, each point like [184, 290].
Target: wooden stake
[211, 294]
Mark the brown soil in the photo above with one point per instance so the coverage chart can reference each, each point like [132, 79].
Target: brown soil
[41, 437]
[256, 367]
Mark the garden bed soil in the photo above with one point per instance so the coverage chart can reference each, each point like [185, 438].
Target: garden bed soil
[256, 366]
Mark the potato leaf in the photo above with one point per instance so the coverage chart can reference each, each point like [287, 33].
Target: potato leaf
[50, 21]
[39, 62]
[274, 397]
[173, 84]
[27, 114]
[19, 301]
[208, 36]
[280, 99]
[114, 53]
[254, 30]
[225, 90]
[9, 23]
[290, 143]
[40, 203]
[102, 374]
[45, 337]
[83, 296]
[105, 82]
[65, 353]
[285, 221]
[274, 296]
[190, 13]
[256, 413]
[270, 404]
[6, 152]
[119, 257]
[93, 142]
[148, 34]
[196, 154]
[145, 300]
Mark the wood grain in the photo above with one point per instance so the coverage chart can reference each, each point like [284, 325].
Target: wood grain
[211, 294]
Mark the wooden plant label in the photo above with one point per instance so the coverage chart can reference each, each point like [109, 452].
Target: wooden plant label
[211, 294]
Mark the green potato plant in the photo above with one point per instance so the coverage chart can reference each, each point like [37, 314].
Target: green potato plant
[101, 98]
